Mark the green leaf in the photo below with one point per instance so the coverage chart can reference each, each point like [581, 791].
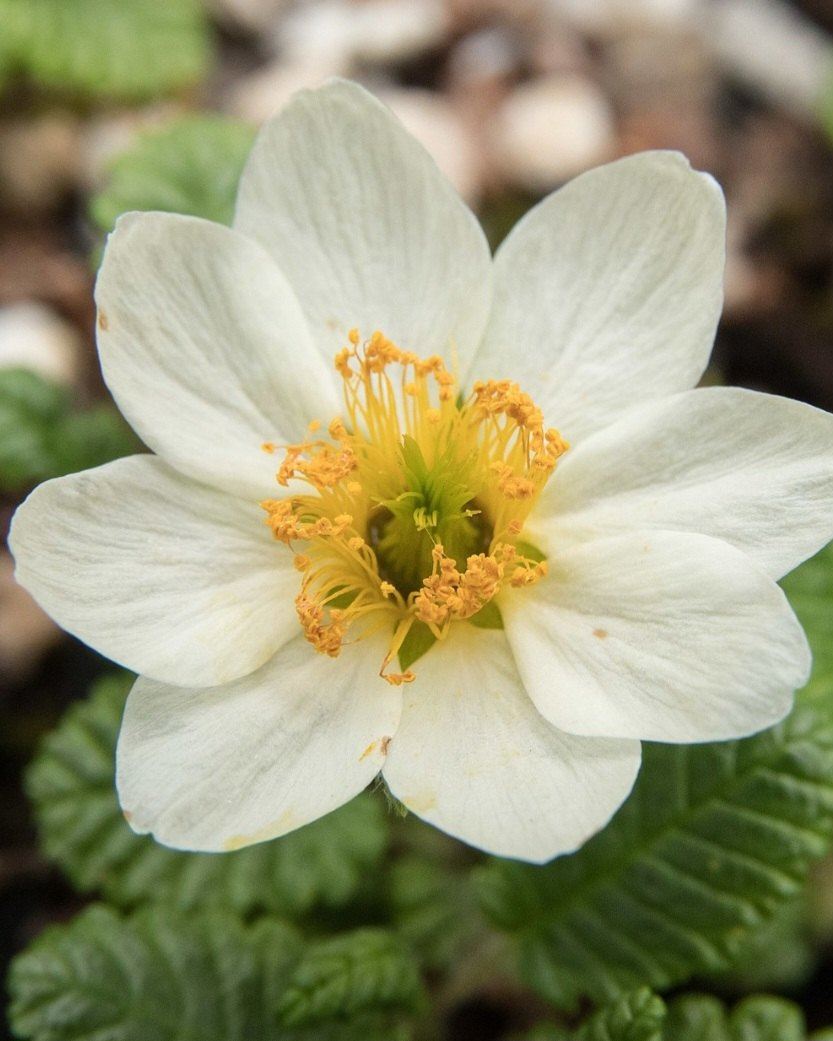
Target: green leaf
[714, 839]
[696, 1018]
[158, 974]
[782, 955]
[41, 436]
[810, 591]
[191, 166]
[433, 908]
[81, 827]
[637, 1016]
[767, 1019]
[642, 1016]
[712, 842]
[346, 976]
[114, 48]
[634, 1017]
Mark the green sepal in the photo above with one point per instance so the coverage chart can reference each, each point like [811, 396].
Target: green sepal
[419, 640]
[488, 617]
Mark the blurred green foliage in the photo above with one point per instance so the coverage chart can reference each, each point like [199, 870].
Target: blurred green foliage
[642, 1016]
[191, 165]
[43, 435]
[129, 49]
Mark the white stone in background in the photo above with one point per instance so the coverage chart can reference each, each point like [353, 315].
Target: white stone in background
[552, 128]
[320, 31]
[34, 337]
[39, 160]
[392, 30]
[774, 49]
[611, 15]
[26, 632]
[260, 95]
[435, 124]
[484, 56]
[370, 30]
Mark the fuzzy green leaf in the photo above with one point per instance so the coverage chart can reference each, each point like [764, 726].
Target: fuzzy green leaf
[81, 827]
[158, 974]
[114, 48]
[766, 1019]
[701, 1018]
[781, 956]
[191, 166]
[433, 908]
[347, 976]
[697, 1018]
[810, 591]
[642, 1016]
[42, 436]
[712, 842]
[165, 975]
[634, 1017]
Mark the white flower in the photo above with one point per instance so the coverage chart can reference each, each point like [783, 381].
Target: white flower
[664, 525]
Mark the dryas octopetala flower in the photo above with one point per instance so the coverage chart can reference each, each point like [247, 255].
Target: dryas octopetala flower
[414, 511]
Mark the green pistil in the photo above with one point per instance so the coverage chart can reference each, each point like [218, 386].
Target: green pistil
[434, 506]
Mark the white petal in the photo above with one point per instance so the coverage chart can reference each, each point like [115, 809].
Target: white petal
[226, 767]
[165, 576]
[365, 227]
[609, 291]
[473, 757]
[753, 469]
[205, 349]
[658, 635]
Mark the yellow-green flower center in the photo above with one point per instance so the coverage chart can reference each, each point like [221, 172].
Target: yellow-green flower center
[418, 502]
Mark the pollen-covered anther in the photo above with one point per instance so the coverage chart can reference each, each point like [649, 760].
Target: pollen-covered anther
[326, 637]
[288, 527]
[396, 679]
[503, 397]
[411, 480]
[513, 486]
[527, 574]
[449, 594]
[323, 467]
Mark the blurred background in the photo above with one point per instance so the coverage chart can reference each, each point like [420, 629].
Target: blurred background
[112, 105]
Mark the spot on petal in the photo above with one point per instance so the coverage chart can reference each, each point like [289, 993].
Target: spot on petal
[371, 748]
[286, 822]
[420, 803]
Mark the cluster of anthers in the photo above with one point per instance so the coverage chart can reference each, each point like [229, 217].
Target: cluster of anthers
[418, 501]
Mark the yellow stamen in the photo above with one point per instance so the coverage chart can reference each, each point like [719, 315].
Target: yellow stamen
[416, 501]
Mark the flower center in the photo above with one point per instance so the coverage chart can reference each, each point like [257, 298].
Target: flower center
[417, 505]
